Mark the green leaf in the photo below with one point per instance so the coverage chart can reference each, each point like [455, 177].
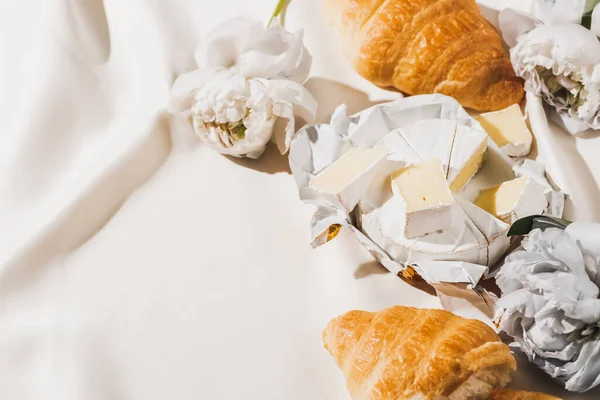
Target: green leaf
[525, 225]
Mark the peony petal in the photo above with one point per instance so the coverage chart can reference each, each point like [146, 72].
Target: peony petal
[550, 303]
[283, 137]
[255, 51]
[182, 92]
[586, 369]
[523, 302]
[220, 48]
[514, 24]
[586, 234]
[596, 21]
[290, 99]
[545, 339]
[304, 103]
[564, 11]
[587, 310]
[278, 54]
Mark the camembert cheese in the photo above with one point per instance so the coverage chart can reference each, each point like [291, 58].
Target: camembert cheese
[514, 199]
[349, 175]
[431, 138]
[468, 153]
[508, 129]
[428, 199]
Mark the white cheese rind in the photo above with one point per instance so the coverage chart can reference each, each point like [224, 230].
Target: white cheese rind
[400, 149]
[529, 200]
[468, 154]
[463, 242]
[427, 199]
[424, 222]
[431, 138]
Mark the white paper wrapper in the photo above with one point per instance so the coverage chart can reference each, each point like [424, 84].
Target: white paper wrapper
[537, 171]
[559, 60]
[457, 257]
[248, 76]
[550, 293]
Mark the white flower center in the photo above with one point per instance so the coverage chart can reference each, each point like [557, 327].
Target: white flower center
[221, 103]
[230, 109]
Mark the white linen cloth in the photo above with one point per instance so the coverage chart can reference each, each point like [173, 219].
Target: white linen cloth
[137, 264]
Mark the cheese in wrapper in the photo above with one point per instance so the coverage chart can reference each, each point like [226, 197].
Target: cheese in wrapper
[399, 201]
[508, 129]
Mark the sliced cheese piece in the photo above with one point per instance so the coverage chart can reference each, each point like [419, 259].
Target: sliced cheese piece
[428, 200]
[348, 177]
[468, 153]
[431, 138]
[462, 242]
[508, 129]
[514, 199]
[493, 229]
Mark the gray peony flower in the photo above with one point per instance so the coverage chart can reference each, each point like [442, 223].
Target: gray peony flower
[550, 293]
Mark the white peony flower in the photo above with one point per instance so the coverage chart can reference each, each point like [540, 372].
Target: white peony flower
[252, 50]
[550, 297]
[248, 77]
[560, 63]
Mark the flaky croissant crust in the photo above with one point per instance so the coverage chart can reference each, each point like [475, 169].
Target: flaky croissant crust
[508, 394]
[401, 352]
[428, 46]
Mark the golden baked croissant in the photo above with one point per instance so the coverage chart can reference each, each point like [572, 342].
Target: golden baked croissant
[427, 46]
[508, 394]
[409, 353]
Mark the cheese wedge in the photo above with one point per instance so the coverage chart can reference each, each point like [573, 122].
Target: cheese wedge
[514, 199]
[428, 200]
[468, 154]
[431, 138]
[348, 177]
[493, 229]
[508, 129]
[461, 242]
[401, 150]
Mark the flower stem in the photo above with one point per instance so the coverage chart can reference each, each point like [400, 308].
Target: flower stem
[279, 12]
[586, 19]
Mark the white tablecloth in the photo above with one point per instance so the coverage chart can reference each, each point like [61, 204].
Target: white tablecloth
[135, 263]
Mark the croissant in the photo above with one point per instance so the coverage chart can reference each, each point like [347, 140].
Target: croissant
[427, 46]
[507, 394]
[408, 353]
